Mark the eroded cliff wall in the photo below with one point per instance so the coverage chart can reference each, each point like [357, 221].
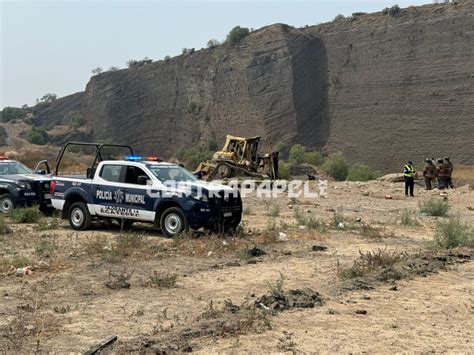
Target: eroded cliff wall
[383, 89]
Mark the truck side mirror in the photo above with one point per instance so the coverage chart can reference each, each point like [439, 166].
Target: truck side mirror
[142, 180]
[41, 172]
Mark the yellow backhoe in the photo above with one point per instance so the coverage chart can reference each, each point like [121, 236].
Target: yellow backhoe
[239, 157]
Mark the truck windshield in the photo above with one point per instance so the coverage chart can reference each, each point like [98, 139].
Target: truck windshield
[12, 168]
[171, 173]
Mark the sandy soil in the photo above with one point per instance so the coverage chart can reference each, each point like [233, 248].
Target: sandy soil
[177, 293]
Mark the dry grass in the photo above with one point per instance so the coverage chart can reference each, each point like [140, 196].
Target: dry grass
[369, 262]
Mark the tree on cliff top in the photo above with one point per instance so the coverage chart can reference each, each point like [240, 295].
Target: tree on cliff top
[236, 35]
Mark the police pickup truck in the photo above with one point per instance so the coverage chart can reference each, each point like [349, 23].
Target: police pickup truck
[21, 186]
[145, 190]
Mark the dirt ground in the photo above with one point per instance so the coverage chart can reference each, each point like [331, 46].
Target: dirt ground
[204, 293]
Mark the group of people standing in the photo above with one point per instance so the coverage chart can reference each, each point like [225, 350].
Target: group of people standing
[440, 170]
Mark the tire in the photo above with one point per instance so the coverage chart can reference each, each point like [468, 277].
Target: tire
[79, 217]
[223, 171]
[173, 222]
[7, 203]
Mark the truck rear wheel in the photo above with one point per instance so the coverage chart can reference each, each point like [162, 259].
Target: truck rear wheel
[79, 217]
[173, 222]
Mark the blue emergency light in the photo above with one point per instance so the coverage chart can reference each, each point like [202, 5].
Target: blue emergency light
[133, 158]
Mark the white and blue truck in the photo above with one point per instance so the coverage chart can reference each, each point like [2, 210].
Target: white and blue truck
[142, 189]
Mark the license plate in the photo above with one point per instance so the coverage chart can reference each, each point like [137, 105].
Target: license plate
[47, 196]
[227, 214]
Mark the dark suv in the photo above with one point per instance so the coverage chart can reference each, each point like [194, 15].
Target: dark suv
[21, 186]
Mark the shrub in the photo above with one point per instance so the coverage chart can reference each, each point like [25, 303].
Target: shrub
[392, 11]
[339, 17]
[407, 218]
[26, 215]
[213, 43]
[97, 70]
[3, 136]
[308, 221]
[212, 144]
[45, 224]
[284, 170]
[134, 64]
[299, 155]
[369, 262]
[16, 262]
[48, 98]
[453, 233]
[162, 281]
[357, 14]
[274, 211]
[77, 121]
[45, 248]
[362, 172]
[194, 106]
[12, 113]
[434, 207]
[191, 157]
[37, 136]
[167, 57]
[236, 35]
[4, 227]
[113, 68]
[336, 166]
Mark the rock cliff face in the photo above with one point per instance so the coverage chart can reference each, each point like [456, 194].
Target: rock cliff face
[381, 89]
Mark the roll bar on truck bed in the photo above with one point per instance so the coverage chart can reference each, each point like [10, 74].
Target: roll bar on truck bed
[98, 155]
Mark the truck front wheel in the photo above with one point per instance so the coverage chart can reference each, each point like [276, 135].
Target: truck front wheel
[7, 203]
[173, 222]
[79, 217]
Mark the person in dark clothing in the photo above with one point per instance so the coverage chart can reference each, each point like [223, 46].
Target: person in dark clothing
[441, 174]
[408, 173]
[429, 173]
[449, 173]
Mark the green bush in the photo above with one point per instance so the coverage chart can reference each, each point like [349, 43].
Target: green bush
[212, 145]
[336, 166]
[212, 43]
[434, 207]
[26, 215]
[191, 157]
[362, 172]
[339, 17]
[12, 113]
[299, 155]
[77, 121]
[453, 233]
[194, 106]
[392, 11]
[48, 98]
[37, 136]
[134, 64]
[284, 170]
[236, 35]
[4, 227]
[407, 218]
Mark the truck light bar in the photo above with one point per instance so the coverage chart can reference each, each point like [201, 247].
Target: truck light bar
[138, 158]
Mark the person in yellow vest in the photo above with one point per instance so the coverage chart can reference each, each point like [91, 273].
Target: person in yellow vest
[408, 173]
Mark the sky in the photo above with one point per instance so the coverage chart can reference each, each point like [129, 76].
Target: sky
[52, 46]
